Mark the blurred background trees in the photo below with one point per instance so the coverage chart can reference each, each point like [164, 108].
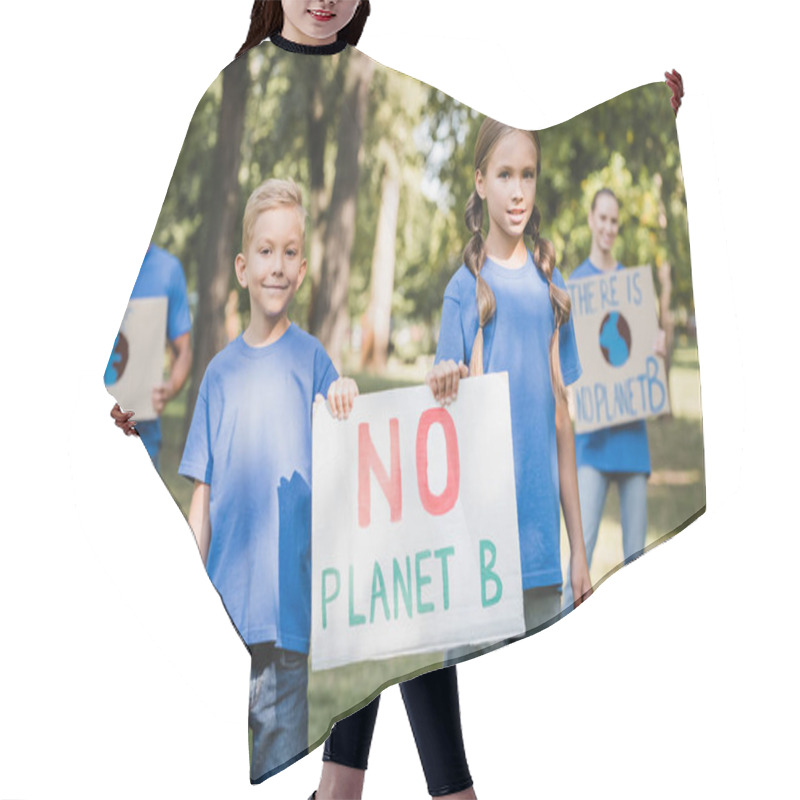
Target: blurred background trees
[385, 164]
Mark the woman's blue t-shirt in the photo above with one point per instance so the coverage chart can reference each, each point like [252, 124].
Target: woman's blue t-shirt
[517, 341]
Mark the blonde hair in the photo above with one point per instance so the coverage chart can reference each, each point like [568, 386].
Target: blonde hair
[273, 193]
[490, 133]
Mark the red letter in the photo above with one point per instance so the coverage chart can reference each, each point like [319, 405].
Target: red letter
[438, 504]
[368, 460]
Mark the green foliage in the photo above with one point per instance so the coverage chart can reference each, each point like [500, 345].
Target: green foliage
[181, 218]
[628, 144]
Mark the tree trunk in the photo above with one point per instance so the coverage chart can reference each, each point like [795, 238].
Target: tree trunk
[329, 315]
[377, 320]
[316, 120]
[220, 222]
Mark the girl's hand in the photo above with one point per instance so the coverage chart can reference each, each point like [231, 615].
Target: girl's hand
[341, 395]
[579, 574]
[124, 420]
[443, 380]
[660, 347]
[675, 83]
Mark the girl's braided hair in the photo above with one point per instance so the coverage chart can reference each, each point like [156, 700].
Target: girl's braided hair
[543, 251]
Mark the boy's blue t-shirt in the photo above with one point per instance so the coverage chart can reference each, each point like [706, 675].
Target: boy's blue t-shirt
[250, 440]
[622, 448]
[517, 341]
[161, 275]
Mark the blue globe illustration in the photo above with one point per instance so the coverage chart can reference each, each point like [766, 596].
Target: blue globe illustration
[615, 339]
[118, 360]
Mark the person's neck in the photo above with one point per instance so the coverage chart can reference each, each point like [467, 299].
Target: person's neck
[508, 252]
[263, 331]
[602, 259]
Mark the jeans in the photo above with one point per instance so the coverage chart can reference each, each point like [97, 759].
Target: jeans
[593, 489]
[431, 702]
[278, 716]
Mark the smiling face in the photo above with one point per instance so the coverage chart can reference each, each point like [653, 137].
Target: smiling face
[315, 22]
[508, 184]
[604, 222]
[272, 266]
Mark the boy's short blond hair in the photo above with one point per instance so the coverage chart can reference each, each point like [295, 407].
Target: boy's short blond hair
[273, 193]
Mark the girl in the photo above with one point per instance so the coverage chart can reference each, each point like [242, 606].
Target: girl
[506, 309]
[620, 454]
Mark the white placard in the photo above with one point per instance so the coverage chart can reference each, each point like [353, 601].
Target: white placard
[415, 546]
[136, 365]
[616, 329]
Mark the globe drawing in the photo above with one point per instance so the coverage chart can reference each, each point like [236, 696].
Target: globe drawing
[118, 361]
[615, 339]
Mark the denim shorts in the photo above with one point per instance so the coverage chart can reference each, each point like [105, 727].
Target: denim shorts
[278, 709]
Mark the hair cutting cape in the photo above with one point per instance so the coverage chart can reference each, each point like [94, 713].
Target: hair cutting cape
[418, 540]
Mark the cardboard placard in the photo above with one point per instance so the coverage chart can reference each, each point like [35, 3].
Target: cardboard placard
[136, 364]
[616, 328]
[415, 545]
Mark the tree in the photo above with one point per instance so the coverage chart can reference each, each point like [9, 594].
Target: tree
[221, 205]
[377, 319]
[329, 315]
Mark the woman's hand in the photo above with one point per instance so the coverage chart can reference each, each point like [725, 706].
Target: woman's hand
[124, 420]
[443, 380]
[579, 575]
[660, 346]
[162, 394]
[341, 395]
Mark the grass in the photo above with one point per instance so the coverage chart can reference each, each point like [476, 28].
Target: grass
[676, 492]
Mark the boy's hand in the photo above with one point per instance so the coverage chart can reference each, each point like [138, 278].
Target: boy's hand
[124, 420]
[341, 395]
[443, 380]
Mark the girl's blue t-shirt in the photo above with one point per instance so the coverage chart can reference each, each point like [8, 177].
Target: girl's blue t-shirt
[622, 448]
[517, 341]
[250, 440]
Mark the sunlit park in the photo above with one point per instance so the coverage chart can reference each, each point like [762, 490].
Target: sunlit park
[408, 171]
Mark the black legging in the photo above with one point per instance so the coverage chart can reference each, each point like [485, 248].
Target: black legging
[432, 706]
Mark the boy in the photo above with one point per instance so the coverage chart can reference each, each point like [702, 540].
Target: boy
[249, 453]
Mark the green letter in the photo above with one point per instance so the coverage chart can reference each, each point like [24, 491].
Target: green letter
[378, 590]
[422, 608]
[442, 554]
[355, 619]
[405, 588]
[328, 598]
[487, 574]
